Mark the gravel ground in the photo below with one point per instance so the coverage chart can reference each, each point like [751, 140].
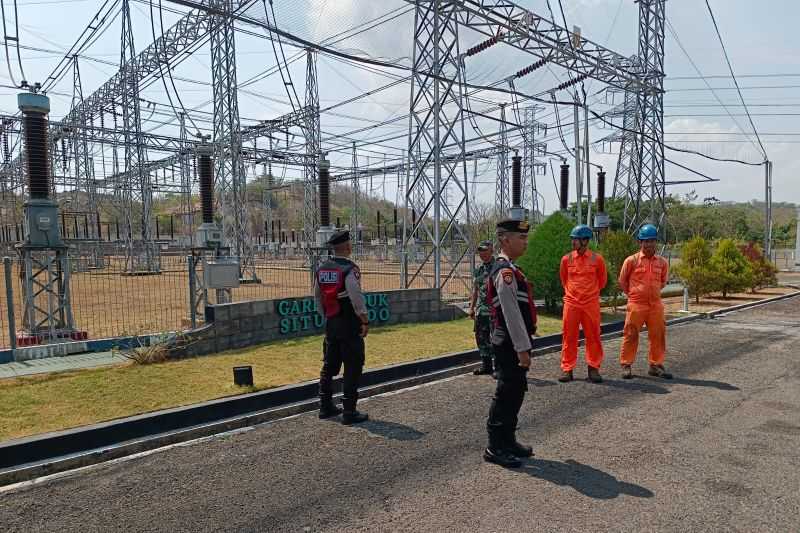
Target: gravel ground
[716, 449]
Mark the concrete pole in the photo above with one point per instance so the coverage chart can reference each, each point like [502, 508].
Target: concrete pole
[797, 243]
[588, 167]
[767, 209]
[578, 181]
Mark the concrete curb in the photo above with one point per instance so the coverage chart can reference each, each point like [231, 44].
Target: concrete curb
[32, 457]
[28, 471]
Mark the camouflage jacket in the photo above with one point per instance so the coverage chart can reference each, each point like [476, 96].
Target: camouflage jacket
[480, 276]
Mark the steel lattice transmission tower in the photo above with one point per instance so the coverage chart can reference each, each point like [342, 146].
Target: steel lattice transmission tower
[312, 134]
[84, 172]
[641, 164]
[501, 194]
[136, 187]
[356, 194]
[231, 179]
[530, 149]
[436, 120]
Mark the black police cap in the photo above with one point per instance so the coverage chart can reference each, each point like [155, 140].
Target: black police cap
[339, 237]
[485, 245]
[509, 224]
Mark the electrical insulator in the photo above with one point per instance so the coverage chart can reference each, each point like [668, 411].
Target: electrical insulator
[601, 192]
[205, 169]
[516, 181]
[488, 43]
[530, 68]
[324, 193]
[564, 198]
[35, 108]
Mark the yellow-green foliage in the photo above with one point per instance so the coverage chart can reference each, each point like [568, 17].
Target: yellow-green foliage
[695, 269]
[732, 270]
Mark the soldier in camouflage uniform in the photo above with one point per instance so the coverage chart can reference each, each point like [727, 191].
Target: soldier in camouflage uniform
[479, 308]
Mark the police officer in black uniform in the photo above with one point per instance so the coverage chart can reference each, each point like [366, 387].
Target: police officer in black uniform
[513, 324]
[337, 288]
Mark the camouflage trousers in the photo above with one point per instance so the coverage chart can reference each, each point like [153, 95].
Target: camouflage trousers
[483, 333]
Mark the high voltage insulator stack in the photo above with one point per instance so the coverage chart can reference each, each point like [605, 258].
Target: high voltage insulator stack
[574, 81]
[488, 43]
[530, 68]
[47, 310]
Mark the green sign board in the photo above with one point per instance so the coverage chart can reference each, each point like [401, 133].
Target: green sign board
[301, 314]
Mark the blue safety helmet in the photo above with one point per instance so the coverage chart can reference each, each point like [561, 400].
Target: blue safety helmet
[647, 232]
[581, 232]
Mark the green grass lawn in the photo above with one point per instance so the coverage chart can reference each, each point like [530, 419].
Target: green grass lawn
[49, 402]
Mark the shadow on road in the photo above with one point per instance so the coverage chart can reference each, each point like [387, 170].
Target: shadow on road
[721, 385]
[585, 479]
[634, 385]
[391, 430]
[540, 382]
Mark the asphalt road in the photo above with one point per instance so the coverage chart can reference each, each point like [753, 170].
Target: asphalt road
[717, 449]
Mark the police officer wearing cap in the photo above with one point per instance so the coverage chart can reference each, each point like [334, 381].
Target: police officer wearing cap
[337, 289]
[513, 324]
[479, 307]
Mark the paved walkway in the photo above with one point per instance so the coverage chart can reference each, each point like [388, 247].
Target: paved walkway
[716, 449]
[59, 364]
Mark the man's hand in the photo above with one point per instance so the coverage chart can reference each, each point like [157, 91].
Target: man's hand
[364, 329]
[524, 359]
[471, 313]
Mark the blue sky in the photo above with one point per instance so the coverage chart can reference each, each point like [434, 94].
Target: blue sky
[761, 37]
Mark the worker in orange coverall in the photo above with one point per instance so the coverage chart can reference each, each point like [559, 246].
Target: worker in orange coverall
[642, 277]
[583, 276]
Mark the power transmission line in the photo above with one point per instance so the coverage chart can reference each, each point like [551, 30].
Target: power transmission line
[735, 81]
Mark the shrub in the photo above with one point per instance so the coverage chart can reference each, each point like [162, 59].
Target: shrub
[547, 244]
[615, 248]
[731, 268]
[695, 269]
[765, 273]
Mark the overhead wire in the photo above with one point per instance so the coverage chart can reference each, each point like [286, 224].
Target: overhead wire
[735, 81]
[674, 33]
[673, 148]
[6, 39]
[161, 69]
[283, 55]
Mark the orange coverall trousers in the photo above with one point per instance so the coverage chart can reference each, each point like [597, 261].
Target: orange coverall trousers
[588, 318]
[638, 315]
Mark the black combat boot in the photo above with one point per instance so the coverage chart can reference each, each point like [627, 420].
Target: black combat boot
[327, 408]
[594, 375]
[566, 375]
[627, 373]
[515, 448]
[497, 451]
[354, 417]
[485, 369]
[659, 372]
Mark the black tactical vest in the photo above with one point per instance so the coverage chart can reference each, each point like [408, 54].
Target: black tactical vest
[527, 308]
[346, 322]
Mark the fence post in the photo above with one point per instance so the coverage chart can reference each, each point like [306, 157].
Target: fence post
[685, 299]
[12, 327]
[192, 291]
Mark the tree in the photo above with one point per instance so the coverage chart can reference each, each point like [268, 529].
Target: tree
[547, 244]
[764, 272]
[731, 268]
[615, 248]
[695, 269]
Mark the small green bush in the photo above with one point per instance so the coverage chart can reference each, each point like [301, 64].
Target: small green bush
[615, 248]
[765, 274]
[731, 268]
[547, 244]
[695, 269]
